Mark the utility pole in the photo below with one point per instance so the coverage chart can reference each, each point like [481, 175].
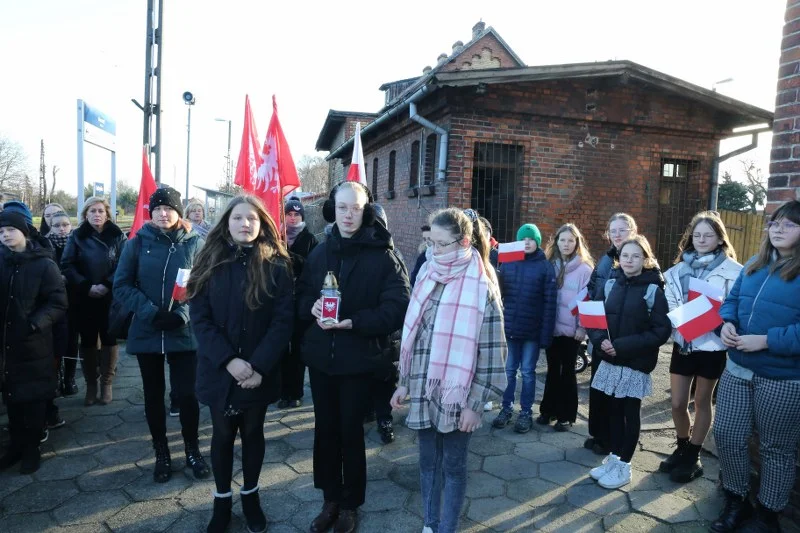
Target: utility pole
[42, 178]
[151, 108]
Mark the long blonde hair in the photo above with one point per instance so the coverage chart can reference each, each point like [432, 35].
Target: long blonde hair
[554, 254]
[268, 250]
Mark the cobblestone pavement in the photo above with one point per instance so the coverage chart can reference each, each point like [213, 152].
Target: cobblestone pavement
[96, 476]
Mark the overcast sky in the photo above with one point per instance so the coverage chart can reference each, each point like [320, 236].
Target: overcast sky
[327, 55]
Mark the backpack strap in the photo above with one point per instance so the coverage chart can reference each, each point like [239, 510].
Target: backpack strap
[649, 295]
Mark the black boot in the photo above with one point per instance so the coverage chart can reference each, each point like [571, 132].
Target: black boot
[765, 521]
[31, 454]
[737, 509]
[195, 460]
[253, 515]
[222, 513]
[69, 387]
[674, 460]
[163, 469]
[689, 467]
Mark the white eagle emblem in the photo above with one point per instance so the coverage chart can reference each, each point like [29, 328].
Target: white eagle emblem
[268, 178]
[330, 306]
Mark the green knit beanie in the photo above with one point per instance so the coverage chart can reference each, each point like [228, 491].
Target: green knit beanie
[530, 231]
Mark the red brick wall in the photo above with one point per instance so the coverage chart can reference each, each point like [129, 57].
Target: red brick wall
[465, 60]
[784, 169]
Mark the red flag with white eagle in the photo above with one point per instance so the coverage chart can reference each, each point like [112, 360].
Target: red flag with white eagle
[593, 315]
[699, 287]
[508, 252]
[146, 189]
[357, 171]
[249, 152]
[179, 290]
[696, 318]
[583, 296]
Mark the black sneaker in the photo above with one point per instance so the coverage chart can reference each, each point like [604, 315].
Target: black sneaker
[174, 409]
[668, 464]
[544, 420]
[293, 404]
[562, 426]
[524, 423]
[54, 421]
[503, 418]
[687, 470]
[386, 430]
[283, 404]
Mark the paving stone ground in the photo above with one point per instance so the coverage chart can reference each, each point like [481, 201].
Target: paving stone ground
[96, 476]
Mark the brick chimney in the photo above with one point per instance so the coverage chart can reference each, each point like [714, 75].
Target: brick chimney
[426, 69]
[478, 28]
[457, 47]
[784, 168]
[441, 59]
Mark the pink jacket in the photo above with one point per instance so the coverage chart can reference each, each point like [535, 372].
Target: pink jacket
[575, 279]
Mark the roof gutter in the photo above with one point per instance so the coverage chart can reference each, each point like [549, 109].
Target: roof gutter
[396, 110]
[713, 197]
[441, 167]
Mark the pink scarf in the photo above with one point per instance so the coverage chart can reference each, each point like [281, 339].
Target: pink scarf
[456, 327]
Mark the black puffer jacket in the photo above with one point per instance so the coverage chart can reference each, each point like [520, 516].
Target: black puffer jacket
[226, 328]
[300, 250]
[90, 258]
[636, 333]
[375, 295]
[32, 299]
[603, 271]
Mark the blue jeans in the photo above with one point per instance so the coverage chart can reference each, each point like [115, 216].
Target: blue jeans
[524, 354]
[442, 472]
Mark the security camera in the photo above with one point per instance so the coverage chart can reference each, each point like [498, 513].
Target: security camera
[188, 98]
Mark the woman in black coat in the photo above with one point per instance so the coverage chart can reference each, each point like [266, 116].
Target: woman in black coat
[32, 299]
[342, 357]
[300, 242]
[241, 292]
[89, 263]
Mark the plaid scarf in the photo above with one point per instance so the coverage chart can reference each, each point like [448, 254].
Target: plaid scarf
[58, 241]
[456, 327]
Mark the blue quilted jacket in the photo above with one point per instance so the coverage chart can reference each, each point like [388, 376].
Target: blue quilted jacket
[530, 298]
[764, 304]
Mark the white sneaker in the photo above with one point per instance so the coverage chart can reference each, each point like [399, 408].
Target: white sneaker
[426, 529]
[618, 475]
[488, 406]
[601, 470]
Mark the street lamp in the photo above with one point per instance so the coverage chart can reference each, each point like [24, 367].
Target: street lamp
[227, 157]
[188, 99]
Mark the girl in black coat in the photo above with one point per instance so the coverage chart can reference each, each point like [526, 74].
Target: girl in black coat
[241, 292]
[300, 242]
[89, 262]
[343, 357]
[636, 311]
[32, 299]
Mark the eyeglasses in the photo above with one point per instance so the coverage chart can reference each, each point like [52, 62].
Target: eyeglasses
[617, 232]
[353, 210]
[709, 236]
[783, 225]
[440, 245]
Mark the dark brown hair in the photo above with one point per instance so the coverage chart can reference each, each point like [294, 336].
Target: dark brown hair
[790, 266]
[458, 223]
[713, 219]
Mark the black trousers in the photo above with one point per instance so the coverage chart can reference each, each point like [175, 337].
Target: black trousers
[25, 423]
[340, 462]
[183, 366]
[384, 383]
[598, 409]
[250, 426]
[93, 321]
[293, 371]
[624, 424]
[560, 398]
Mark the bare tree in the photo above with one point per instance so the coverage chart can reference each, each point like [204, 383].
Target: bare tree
[756, 184]
[53, 185]
[313, 172]
[13, 164]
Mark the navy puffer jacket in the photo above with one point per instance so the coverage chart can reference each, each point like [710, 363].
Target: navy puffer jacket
[530, 298]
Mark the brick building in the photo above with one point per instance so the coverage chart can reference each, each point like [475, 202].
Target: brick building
[543, 144]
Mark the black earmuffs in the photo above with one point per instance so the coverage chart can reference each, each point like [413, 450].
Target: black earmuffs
[329, 207]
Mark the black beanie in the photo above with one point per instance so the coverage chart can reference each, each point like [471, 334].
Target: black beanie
[166, 196]
[294, 205]
[15, 220]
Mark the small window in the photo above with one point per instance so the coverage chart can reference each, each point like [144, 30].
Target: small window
[392, 158]
[375, 176]
[413, 172]
[430, 159]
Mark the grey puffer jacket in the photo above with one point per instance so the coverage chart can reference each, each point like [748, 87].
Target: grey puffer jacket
[144, 282]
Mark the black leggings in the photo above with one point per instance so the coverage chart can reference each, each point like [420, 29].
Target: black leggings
[625, 423]
[560, 398]
[250, 425]
[182, 376]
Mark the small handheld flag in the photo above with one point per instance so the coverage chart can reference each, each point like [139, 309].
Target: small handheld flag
[695, 318]
[511, 251]
[179, 291]
[593, 315]
[583, 296]
[698, 287]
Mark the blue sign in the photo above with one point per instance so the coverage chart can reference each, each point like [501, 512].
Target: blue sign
[99, 188]
[98, 119]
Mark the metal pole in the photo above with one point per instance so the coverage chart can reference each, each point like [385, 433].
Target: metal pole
[113, 213]
[188, 144]
[147, 108]
[80, 155]
[228, 170]
[159, 73]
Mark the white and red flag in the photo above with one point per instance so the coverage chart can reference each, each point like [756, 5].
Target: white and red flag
[357, 171]
[249, 152]
[593, 315]
[698, 287]
[695, 318]
[508, 252]
[583, 296]
[179, 290]
[146, 189]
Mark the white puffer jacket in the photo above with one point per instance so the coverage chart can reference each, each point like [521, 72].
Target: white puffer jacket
[723, 277]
